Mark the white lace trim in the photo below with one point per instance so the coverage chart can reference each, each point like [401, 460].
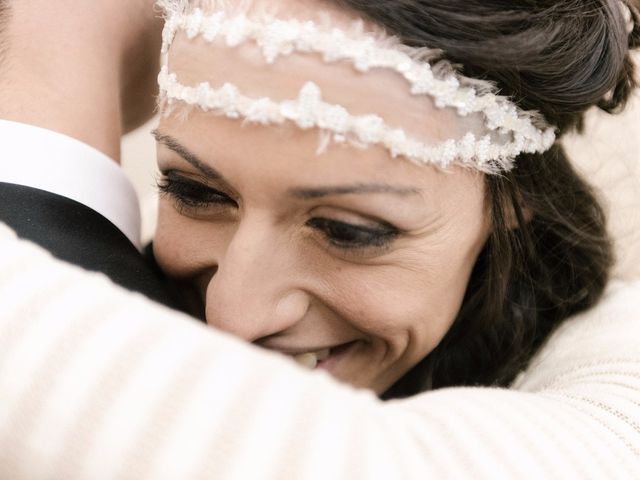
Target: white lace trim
[277, 38]
[310, 111]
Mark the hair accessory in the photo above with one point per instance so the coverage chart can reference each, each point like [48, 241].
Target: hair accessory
[309, 111]
[508, 130]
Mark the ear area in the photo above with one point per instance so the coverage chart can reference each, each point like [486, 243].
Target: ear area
[517, 213]
[509, 211]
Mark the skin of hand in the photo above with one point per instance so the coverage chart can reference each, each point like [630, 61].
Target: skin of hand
[84, 69]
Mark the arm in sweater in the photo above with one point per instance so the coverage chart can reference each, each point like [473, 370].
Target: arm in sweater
[97, 383]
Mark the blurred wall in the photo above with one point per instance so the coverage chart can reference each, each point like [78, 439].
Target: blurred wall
[138, 161]
[608, 154]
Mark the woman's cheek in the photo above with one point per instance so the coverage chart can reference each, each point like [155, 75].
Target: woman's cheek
[407, 309]
[167, 244]
[182, 246]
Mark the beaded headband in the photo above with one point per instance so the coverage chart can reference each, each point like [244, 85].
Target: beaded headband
[507, 130]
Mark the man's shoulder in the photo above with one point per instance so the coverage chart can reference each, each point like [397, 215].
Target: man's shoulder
[53, 162]
[78, 234]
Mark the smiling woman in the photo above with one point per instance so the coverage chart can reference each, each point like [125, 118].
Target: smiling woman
[352, 200]
[297, 253]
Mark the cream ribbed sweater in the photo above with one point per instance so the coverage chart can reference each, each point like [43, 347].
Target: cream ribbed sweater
[97, 383]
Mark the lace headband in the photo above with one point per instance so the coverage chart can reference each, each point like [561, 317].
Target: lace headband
[506, 130]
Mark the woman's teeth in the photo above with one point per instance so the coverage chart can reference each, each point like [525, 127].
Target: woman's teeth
[311, 360]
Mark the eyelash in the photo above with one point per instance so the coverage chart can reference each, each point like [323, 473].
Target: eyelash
[189, 196]
[347, 236]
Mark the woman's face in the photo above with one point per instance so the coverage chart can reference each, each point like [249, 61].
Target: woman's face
[351, 258]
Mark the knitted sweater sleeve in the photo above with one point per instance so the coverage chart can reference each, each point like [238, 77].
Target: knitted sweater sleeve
[98, 383]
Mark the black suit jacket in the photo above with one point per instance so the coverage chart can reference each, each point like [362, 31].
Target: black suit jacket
[77, 234]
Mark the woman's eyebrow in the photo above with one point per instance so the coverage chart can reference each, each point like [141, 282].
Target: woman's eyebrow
[358, 188]
[303, 192]
[173, 144]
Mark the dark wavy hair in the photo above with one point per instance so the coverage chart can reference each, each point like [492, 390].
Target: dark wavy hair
[559, 57]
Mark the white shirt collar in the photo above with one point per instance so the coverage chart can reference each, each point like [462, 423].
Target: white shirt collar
[49, 161]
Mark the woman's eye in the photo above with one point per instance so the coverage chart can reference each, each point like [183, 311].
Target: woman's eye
[349, 236]
[191, 195]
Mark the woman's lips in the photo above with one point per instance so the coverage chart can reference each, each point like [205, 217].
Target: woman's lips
[312, 359]
[323, 358]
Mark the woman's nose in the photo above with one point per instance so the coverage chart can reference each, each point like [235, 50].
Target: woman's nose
[253, 293]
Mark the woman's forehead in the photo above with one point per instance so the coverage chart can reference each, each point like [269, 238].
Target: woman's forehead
[275, 63]
[274, 160]
[380, 92]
